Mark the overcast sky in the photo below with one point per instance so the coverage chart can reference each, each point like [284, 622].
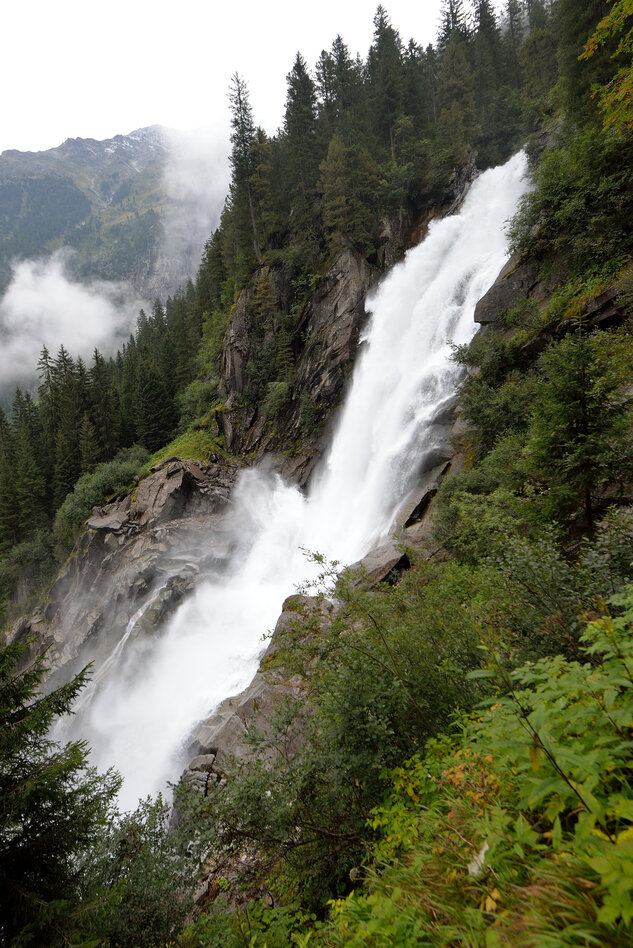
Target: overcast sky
[78, 69]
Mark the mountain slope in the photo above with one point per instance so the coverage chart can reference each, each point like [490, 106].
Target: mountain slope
[108, 201]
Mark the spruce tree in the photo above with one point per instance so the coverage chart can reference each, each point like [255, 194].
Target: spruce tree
[8, 512]
[386, 78]
[30, 492]
[300, 137]
[53, 809]
[333, 184]
[243, 139]
[153, 407]
[456, 97]
[574, 21]
[103, 404]
[88, 444]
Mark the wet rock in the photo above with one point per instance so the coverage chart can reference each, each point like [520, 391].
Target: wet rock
[224, 732]
[144, 553]
[329, 329]
[382, 563]
[415, 506]
[516, 281]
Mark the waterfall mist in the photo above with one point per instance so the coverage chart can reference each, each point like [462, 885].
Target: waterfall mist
[139, 716]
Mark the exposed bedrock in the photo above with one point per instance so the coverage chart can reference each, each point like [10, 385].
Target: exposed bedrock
[137, 560]
[329, 329]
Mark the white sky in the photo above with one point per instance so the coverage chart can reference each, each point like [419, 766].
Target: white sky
[80, 69]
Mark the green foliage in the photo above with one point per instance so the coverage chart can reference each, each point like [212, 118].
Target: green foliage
[384, 674]
[516, 831]
[28, 565]
[548, 443]
[580, 433]
[214, 327]
[93, 489]
[541, 777]
[196, 400]
[580, 212]
[277, 395]
[615, 95]
[256, 924]
[152, 872]
[311, 417]
[52, 808]
[195, 444]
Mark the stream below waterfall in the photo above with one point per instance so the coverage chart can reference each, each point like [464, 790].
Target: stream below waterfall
[150, 693]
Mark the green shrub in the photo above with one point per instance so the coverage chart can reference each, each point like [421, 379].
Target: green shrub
[199, 396]
[32, 562]
[518, 830]
[152, 873]
[111, 477]
[277, 395]
[580, 213]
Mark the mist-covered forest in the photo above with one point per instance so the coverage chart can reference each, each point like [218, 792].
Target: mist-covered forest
[464, 773]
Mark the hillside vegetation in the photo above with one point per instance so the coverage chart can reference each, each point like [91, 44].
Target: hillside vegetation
[105, 200]
[464, 774]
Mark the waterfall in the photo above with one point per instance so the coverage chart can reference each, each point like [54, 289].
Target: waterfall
[140, 719]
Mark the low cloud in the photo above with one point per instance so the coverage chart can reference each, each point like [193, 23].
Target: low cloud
[197, 180]
[44, 307]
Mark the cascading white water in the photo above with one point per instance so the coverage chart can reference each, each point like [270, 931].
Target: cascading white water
[140, 720]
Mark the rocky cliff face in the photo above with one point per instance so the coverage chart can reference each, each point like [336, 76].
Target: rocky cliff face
[136, 561]
[325, 344]
[328, 333]
[139, 557]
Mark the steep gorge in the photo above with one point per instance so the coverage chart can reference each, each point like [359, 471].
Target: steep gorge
[231, 550]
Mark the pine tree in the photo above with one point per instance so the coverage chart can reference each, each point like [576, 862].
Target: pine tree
[513, 39]
[153, 407]
[68, 382]
[333, 184]
[581, 428]
[104, 410]
[127, 388]
[262, 185]
[243, 139]
[488, 58]
[300, 136]
[452, 21]
[324, 81]
[574, 21]
[456, 97]
[386, 77]
[29, 478]
[53, 808]
[88, 444]
[9, 521]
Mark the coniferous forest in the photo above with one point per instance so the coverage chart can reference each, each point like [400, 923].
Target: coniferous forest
[464, 773]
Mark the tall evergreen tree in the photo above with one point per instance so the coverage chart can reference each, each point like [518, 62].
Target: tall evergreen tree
[488, 59]
[456, 97]
[574, 23]
[300, 135]
[9, 521]
[386, 77]
[88, 444]
[103, 404]
[53, 808]
[29, 478]
[243, 139]
[333, 185]
[153, 408]
[453, 20]
[513, 38]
